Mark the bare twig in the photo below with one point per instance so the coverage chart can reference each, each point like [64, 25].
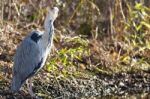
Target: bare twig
[16, 8]
[56, 79]
[2, 11]
[111, 18]
[121, 10]
[75, 11]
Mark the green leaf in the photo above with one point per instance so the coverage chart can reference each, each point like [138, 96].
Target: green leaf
[146, 24]
[138, 6]
[147, 44]
[138, 27]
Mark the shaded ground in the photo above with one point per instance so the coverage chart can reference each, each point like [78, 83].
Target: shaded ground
[121, 85]
[97, 85]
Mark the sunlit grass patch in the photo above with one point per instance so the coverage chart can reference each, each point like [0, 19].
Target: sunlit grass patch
[68, 59]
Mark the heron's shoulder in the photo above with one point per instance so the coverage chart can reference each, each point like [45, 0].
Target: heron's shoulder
[37, 32]
[36, 35]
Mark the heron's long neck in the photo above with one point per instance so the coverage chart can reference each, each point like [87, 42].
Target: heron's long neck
[48, 24]
[48, 35]
[49, 28]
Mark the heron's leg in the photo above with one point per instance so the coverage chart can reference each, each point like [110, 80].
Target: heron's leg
[29, 85]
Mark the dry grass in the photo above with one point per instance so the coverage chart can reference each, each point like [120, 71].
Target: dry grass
[92, 38]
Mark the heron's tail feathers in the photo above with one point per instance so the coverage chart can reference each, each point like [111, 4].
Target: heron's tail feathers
[15, 84]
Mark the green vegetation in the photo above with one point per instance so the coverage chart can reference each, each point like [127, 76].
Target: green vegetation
[69, 57]
[101, 38]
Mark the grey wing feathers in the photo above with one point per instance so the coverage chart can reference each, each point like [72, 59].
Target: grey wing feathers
[28, 58]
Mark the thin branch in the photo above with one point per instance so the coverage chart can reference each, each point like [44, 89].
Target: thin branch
[121, 10]
[75, 11]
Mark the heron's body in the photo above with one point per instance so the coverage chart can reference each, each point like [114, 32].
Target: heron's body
[32, 53]
[30, 47]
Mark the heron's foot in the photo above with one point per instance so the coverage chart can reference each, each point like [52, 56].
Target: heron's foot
[32, 94]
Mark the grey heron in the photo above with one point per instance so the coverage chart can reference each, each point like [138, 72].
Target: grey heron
[32, 53]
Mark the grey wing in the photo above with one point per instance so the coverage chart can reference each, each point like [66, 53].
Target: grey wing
[27, 60]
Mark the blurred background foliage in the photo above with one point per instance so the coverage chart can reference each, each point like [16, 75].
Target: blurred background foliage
[91, 36]
[106, 34]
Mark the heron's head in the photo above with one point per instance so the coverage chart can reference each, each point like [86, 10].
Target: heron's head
[50, 18]
[53, 13]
